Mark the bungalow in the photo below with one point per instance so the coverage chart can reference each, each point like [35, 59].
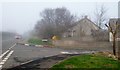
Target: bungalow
[82, 30]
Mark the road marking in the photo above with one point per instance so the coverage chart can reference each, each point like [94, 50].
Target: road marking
[7, 51]
[12, 46]
[1, 63]
[5, 59]
[27, 62]
[0, 67]
[4, 54]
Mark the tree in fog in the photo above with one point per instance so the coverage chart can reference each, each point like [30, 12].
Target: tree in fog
[100, 16]
[54, 22]
[114, 30]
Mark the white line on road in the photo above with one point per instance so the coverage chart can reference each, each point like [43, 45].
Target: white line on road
[27, 62]
[0, 67]
[5, 59]
[4, 54]
[6, 51]
[12, 46]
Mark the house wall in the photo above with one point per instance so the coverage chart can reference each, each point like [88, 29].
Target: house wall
[113, 22]
[110, 37]
[83, 30]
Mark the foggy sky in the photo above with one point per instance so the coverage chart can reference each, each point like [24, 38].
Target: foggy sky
[22, 16]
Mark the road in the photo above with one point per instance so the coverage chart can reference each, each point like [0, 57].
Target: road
[6, 44]
[26, 53]
[17, 54]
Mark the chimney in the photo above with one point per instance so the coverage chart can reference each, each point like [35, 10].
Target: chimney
[86, 16]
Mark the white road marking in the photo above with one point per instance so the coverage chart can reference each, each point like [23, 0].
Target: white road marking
[12, 46]
[0, 67]
[4, 54]
[27, 62]
[6, 51]
[9, 54]
[5, 59]
[1, 63]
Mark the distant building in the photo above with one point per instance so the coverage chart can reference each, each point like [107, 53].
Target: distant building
[82, 30]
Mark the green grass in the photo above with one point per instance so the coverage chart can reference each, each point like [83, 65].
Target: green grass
[88, 61]
[38, 42]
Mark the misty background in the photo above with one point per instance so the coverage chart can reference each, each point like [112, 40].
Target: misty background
[21, 17]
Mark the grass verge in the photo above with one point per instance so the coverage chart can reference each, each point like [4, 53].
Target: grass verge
[85, 62]
[39, 42]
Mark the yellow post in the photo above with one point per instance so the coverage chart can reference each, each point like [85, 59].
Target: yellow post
[54, 38]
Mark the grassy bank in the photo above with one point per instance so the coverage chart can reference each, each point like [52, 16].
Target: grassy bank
[88, 61]
[39, 42]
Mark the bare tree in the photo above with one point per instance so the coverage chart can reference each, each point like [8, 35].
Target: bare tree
[100, 16]
[113, 29]
[54, 22]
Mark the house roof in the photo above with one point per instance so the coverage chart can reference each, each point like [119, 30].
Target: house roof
[85, 26]
[81, 23]
[92, 23]
[89, 23]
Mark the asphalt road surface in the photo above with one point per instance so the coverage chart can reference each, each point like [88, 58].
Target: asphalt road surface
[4, 49]
[23, 54]
[16, 54]
[6, 44]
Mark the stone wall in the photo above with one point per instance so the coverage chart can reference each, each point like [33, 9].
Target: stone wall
[87, 45]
